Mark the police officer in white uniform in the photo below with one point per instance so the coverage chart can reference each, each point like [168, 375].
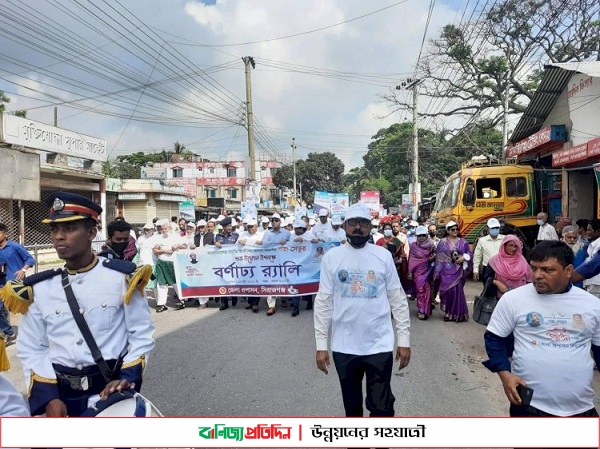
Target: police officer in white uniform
[64, 378]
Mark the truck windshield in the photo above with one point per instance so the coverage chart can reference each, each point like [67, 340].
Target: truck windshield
[448, 195]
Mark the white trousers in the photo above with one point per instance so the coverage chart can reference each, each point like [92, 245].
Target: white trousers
[162, 294]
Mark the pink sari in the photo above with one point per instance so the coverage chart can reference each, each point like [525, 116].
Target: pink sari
[513, 271]
[421, 268]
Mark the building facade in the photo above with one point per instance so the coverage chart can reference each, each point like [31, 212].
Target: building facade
[559, 134]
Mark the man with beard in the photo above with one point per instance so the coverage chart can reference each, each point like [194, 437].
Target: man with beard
[560, 374]
[203, 237]
[251, 237]
[118, 239]
[322, 227]
[165, 246]
[65, 375]
[359, 296]
[226, 237]
[301, 235]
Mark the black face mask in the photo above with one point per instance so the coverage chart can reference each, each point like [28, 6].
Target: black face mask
[119, 247]
[357, 240]
[432, 233]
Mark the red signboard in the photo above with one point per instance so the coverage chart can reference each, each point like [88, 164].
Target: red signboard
[593, 147]
[526, 145]
[221, 181]
[569, 155]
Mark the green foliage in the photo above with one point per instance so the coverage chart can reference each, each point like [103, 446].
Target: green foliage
[318, 172]
[21, 113]
[3, 99]
[129, 166]
[387, 164]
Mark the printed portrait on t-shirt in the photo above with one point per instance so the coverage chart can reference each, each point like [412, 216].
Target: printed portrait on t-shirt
[320, 251]
[370, 276]
[577, 321]
[343, 275]
[535, 319]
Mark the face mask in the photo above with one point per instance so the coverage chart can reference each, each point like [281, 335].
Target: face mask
[119, 247]
[540, 222]
[432, 233]
[357, 241]
[411, 232]
[494, 232]
[387, 232]
[373, 231]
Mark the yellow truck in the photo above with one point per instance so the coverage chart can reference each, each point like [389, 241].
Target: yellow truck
[484, 189]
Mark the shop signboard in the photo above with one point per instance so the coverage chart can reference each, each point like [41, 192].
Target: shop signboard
[570, 155]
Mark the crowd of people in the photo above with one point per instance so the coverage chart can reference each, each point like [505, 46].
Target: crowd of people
[392, 259]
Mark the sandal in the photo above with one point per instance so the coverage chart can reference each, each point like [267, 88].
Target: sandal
[446, 318]
[161, 309]
[422, 316]
[181, 305]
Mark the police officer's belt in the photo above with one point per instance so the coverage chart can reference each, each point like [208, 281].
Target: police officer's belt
[106, 371]
[89, 379]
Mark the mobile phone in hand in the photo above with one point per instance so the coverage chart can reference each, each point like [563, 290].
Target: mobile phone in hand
[525, 393]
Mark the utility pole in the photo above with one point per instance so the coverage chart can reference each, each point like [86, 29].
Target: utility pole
[249, 61]
[293, 145]
[56, 116]
[415, 188]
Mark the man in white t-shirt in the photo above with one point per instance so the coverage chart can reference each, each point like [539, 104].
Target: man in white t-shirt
[555, 326]
[336, 233]
[164, 247]
[322, 227]
[358, 289]
[546, 230]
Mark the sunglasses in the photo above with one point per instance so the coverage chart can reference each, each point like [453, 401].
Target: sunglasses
[453, 229]
[275, 219]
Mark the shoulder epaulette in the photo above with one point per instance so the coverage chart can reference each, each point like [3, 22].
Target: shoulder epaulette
[41, 276]
[137, 280]
[18, 295]
[122, 266]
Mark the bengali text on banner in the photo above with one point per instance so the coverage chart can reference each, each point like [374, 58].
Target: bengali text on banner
[234, 270]
[301, 432]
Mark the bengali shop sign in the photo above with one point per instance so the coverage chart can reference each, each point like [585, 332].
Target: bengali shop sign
[283, 270]
[551, 134]
[570, 155]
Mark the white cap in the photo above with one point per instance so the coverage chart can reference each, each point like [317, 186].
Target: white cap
[250, 221]
[375, 222]
[493, 223]
[264, 220]
[450, 224]
[413, 223]
[163, 222]
[323, 212]
[201, 223]
[421, 230]
[312, 222]
[148, 226]
[336, 220]
[190, 224]
[245, 220]
[289, 221]
[275, 216]
[213, 220]
[220, 217]
[359, 210]
[299, 224]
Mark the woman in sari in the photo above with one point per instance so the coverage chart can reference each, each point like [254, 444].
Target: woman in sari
[422, 254]
[453, 263]
[508, 269]
[388, 241]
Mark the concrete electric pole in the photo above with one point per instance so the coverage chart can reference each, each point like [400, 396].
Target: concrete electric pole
[249, 61]
[293, 145]
[415, 187]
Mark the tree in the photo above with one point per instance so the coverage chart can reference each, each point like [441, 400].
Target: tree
[318, 172]
[129, 166]
[473, 68]
[3, 99]
[21, 113]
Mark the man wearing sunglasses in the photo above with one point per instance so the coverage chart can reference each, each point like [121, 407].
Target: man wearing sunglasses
[275, 236]
[358, 289]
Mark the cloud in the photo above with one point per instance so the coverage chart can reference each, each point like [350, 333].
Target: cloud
[320, 88]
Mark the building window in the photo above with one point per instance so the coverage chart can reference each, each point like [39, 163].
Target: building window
[211, 171]
[212, 194]
[233, 194]
[232, 172]
[178, 173]
[516, 187]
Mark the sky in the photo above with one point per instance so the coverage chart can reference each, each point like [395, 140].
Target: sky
[145, 74]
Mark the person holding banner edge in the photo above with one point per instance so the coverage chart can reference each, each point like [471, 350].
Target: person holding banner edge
[358, 289]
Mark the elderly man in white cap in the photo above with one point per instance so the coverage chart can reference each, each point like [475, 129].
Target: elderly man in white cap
[275, 236]
[165, 246]
[251, 237]
[322, 227]
[359, 296]
[486, 247]
[145, 246]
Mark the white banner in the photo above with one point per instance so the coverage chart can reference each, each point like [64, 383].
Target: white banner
[301, 432]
